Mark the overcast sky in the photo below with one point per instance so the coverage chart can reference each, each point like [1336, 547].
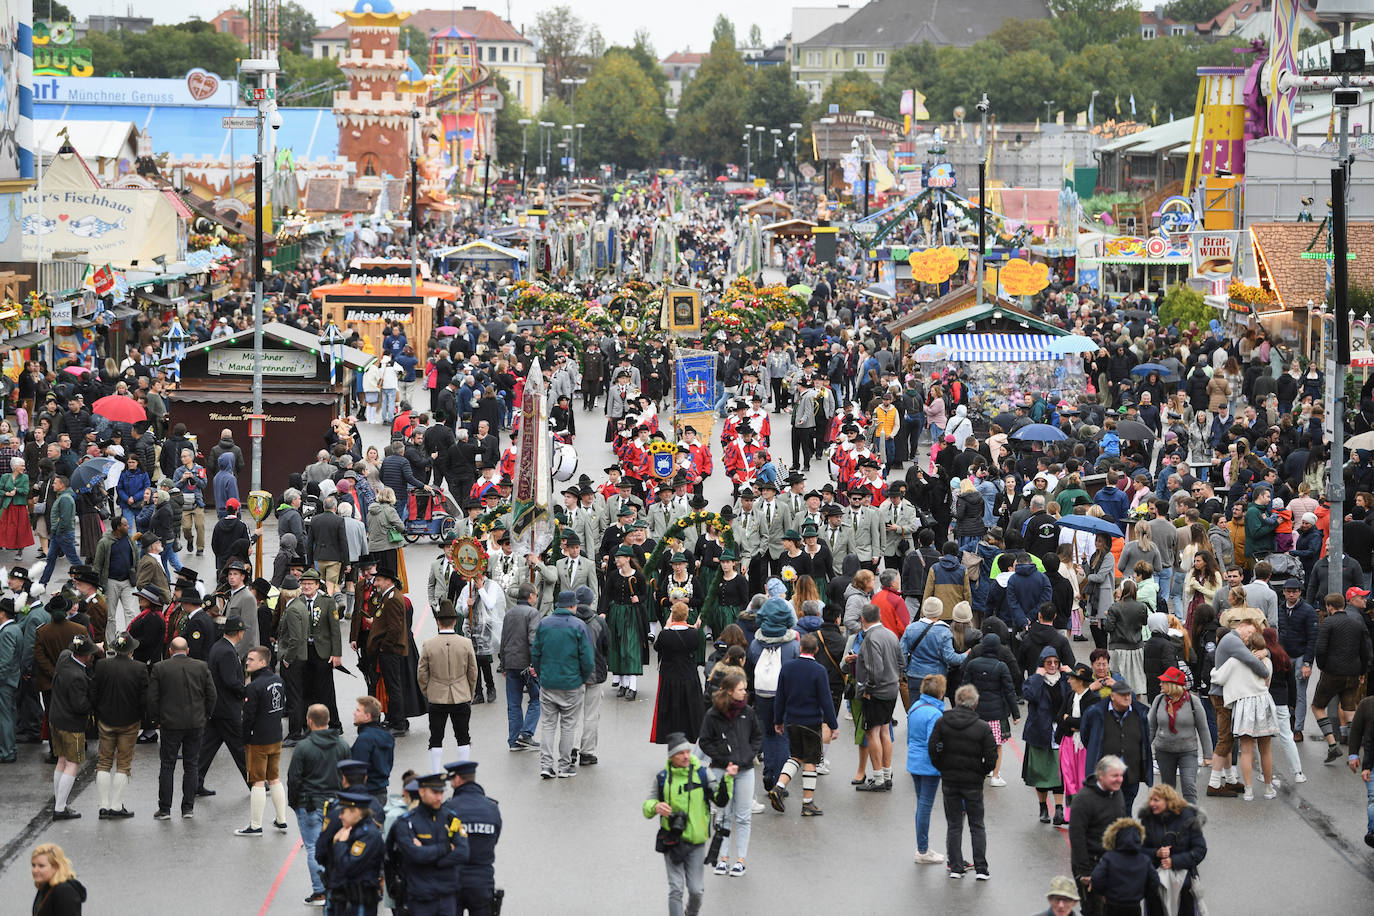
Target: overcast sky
[677, 26]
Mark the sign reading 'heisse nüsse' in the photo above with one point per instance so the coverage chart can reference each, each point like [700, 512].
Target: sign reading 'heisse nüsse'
[292, 363]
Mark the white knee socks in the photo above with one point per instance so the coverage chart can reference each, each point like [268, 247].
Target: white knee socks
[464, 752]
[278, 793]
[65, 782]
[257, 801]
[102, 788]
[120, 782]
[436, 759]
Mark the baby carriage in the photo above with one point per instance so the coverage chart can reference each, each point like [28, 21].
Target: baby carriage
[431, 514]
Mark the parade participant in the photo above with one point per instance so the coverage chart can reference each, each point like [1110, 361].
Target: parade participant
[262, 714]
[67, 719]
[388, 643]
[309, 646]
[312, 779]
[181, 699]
[447, 676]
[574, 571]
[355, 855]
[624, 603]
[225, 726]
[561, 658]
[241, 603]
[11, 668]
[961, 747]
[119, 688]
[681, 796]
[374, 746]
[425, 850]
[481, 816]
[677, 706]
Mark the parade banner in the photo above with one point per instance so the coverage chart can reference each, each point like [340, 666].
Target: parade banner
[696, 382]
[531, 528]
[684, 309]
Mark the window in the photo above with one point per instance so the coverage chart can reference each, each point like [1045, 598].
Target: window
[515, 55]
[813, 58]
[860, 59]
[1147, 32]
[880, 58]
[505, 55]
[839, 58]
[1177, 31]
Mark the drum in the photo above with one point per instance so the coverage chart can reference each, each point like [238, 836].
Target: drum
[564, 462]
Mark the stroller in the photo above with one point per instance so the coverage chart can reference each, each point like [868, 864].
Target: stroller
[433, 515]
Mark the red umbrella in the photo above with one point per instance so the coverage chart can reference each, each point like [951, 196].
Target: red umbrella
[120, 409]
[447, 330]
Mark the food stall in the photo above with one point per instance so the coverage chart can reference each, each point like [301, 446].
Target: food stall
[302, 394]
[1126, 264]
[378, 292]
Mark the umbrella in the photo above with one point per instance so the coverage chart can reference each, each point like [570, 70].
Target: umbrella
[801, 289]
[1039, 432]
[120, 409]
[932, 353]
[1147, 368]
[1136, 313]
[1363, 440]
[89, 473]
[1074, 343]
[877, 292]
[447, 330]
[77, 370]
[1131, 431]
[1091, 523]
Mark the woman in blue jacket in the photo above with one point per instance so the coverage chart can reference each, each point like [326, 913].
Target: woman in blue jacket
[1046, 692]
[924, 713]
[133, 490]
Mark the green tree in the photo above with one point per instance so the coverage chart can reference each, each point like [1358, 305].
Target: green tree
[562, 36]
[107, 53]
[1186, 305]
[854, 90]
[965, 74]
[623, 114]
[1194, 11]
[1023, 35]
[296, 26]
[642, 53]
[507, 124]
[1029, 79]
[723, 29]
[308, 82]
[755, 36]
[52, 11]
[171, 50]
[1085, 22]
[714, 106]
[776, 101]
[416, 44]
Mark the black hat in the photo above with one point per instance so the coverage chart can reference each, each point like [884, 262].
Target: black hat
[571, 539]
[1081, 671]
[19, 572]
[82, 644]
[464, 768]
[387, 569]
[151, 593]
[187, 576]
[86, 574]
[353, 769]
[58, 606]
[573, 491]
[236, 566]
[234, 625]
[796, 476]
[828, 488]
[432, 781]
[768, 485]
[727, 513]
[350, 798]
[366, 560]
[262, 588]
[190, 595]
[830, 509]
[698, 502]
[124, 643]
[1293, 583]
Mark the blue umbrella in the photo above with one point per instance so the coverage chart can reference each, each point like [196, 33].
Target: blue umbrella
[1147, 368]
[89, 473]
[1074, 343]
[1091, 523]
[1039, 432]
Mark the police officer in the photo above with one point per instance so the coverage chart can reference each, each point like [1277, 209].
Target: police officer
[429, 844]
[355, 852]
[482, 818]
[352, 776]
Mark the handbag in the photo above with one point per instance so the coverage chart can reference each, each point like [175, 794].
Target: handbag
[395, 535]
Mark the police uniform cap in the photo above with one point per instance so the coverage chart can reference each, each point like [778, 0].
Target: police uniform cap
[431, 781]
[352, 799]
[465, 768]
[350, 767]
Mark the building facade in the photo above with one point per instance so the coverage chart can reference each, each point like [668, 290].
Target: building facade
[372, 113]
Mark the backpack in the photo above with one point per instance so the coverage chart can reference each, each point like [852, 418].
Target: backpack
[973, 565]
[766, 671]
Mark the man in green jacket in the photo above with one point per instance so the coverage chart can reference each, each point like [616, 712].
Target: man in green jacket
[309, 645]
[681, 796]
[1260, 525]
[561, 656]
[61, 527]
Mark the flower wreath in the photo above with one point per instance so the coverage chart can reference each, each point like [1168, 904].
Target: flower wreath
[699, 519]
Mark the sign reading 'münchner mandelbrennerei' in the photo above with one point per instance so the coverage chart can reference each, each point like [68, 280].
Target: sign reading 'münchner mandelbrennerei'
[294, 363]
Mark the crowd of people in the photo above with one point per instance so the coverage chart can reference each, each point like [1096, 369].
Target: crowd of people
[858, 537]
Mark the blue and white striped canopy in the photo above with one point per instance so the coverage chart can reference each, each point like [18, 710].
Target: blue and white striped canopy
[995, 348]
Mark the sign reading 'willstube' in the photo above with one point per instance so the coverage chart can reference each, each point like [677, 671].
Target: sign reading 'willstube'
[293, 363]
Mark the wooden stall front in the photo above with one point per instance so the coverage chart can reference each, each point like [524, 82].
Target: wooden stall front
[377, 293]
[299, 400]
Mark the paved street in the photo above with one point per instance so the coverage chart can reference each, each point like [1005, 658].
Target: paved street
[581, 845]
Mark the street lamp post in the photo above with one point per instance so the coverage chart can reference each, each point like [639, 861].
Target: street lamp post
[777, 144]
[1049, 107]
[570, 159]
[983, 106]
[795, 127]
[825, 159]
[748, 152]
[545, 142]
[524, 127]
[760, 130]
[577, 142]
[859, 146]
[486, 111]
[414, 197]
[572, 84]
[263, 67]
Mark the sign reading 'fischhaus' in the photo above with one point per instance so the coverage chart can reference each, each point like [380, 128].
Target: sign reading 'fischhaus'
[293, 363]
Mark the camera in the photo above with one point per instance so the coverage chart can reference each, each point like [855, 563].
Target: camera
[1346, 98]
[677, 822]
[275, 119]
[720, 824]
[983, 105]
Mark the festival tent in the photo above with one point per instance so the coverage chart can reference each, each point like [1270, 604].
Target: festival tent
[480, 253]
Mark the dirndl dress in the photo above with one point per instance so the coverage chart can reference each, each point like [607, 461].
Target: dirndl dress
[1040, 768]
[15, 531]
[1254, 717]
[626, 654]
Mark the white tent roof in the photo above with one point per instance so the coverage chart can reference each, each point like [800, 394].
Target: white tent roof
[92, 139]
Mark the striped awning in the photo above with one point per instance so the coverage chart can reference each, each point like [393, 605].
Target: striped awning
[993, 348]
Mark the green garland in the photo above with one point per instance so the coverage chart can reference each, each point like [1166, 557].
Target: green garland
[677, 530]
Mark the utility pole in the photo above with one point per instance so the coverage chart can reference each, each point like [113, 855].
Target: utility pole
[1344, 98]
[983, 107]
[524, 128]
[263, 67]
[748, 152]
[414, 199]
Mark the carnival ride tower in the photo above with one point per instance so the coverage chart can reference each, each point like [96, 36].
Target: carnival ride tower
[457, 78]
[372, 113]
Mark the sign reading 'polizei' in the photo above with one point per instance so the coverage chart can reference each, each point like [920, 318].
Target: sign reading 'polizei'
[294, 363]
